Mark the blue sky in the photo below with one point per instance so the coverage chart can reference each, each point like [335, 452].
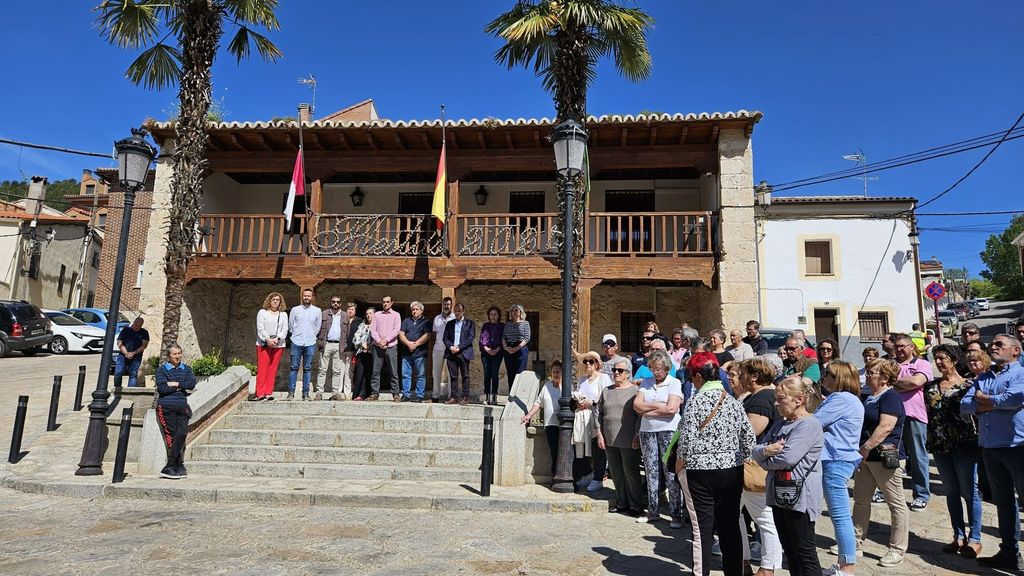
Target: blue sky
[831, 78]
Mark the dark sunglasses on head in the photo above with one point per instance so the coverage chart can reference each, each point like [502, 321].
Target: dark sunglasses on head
[590, 361]
[620, 371]
[648, 337]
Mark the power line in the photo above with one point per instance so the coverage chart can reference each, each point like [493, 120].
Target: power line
[54, 148]
[992, 213]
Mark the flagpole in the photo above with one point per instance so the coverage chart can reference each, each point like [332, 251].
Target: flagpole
[447, 211]
[302, 155]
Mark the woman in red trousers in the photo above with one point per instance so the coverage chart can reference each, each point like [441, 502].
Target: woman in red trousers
[271, 331]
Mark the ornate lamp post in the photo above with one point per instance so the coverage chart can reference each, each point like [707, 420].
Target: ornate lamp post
[570, 142]
[134, 155]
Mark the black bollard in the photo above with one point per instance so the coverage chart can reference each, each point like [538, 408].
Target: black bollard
[19, 429]
[51, 422]
[122, 445]
[80, 389]
[487, 469]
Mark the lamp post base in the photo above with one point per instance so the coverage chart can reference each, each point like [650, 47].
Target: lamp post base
[95, 436]
[563, 482]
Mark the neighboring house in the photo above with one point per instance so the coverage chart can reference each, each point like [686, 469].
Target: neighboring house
[838, 267]
[99, 190]
[1019, 243]
[669, 225]
[46, 272]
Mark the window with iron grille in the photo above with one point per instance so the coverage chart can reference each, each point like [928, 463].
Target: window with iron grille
[527, 203]
[631, 330]
[873, 325]
[818, 257]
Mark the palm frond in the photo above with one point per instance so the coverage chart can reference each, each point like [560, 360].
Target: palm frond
[158, 67]
[128, 23]
[258, 12]
[240, 45]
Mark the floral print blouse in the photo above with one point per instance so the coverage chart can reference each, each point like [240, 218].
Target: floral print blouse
[949, 432]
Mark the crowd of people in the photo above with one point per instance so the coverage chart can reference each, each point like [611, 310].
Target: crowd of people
[742, 443]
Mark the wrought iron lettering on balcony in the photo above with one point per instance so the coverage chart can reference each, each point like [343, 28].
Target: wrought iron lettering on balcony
[377, 235]
[507, 235]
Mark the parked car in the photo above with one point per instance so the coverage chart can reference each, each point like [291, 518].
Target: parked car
[950, 321]
[982, 303]
[72, 335]
[97, 317]
[776, 338]
[974, 310]
[960, 309]
[22, 327]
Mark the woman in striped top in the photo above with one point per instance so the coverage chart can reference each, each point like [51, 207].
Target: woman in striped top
[515, 337]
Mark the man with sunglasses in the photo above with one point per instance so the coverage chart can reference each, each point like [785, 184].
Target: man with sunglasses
[610, 355]
[330, 342]
[997, 398]
[640, 358]
[969, 332]
[797, 362]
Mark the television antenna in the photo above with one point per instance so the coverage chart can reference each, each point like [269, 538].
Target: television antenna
[862, 160]
[311, 82]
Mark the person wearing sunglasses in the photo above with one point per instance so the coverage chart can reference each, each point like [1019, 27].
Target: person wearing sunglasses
[969, 332]
[618, 434]
[330, 341]
[828, 350]
[610, 356]
[797, 362]
[589, 390]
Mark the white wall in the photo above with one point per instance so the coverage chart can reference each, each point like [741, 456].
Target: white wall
[9, 242]
[870, 273]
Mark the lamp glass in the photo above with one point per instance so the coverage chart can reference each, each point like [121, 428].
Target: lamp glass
[480, 195]
[134, 156]
[357, 197]
[570, 145]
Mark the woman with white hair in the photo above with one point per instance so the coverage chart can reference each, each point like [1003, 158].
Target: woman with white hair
[657, 403]
[589, 390]
[515, 337]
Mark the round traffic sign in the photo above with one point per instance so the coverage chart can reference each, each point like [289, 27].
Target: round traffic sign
[935, 291]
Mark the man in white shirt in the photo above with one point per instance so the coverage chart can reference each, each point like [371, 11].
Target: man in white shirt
[441, 380]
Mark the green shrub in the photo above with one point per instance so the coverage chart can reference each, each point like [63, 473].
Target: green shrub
[151, 365]
[208, 365]
[249, 365]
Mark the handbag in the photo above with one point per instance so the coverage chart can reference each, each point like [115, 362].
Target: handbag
[890, 456]
[787, 488]
[670, 454]
[754, 477]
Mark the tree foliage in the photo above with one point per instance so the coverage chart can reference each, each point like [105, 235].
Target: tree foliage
[12, 190]
[984, 288]
[1002, 260]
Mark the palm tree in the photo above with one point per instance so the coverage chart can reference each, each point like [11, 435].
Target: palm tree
[562, 40]
[181, 39]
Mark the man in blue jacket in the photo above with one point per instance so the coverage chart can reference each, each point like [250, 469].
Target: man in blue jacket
[173, 381]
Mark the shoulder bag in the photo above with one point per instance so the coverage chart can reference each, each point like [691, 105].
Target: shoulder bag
[670, 453]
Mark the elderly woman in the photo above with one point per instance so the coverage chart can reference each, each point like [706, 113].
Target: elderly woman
[717, 341]
[589, 390]
[515, 336]
[842, 417]
[739, 349]
[618, 434]
[715, 440]
[657, 403]
[953, 441]
[867, 354]
[732, 370]
[828, 350]
[271, 331]
[881, 448]
[757, 377]
[791, 453]
[363, 342]
[547, 401]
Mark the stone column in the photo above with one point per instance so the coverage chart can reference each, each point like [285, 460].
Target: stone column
[154, 280]
[737, 269]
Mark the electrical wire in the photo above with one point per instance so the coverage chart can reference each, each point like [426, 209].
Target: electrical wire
[54, 148]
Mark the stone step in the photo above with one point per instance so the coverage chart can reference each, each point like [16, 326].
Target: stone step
[197, 468]
[355, 456]
[366, 409]
[347, 439]
[420, 425]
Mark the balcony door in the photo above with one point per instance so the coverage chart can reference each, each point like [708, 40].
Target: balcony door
[629, 233]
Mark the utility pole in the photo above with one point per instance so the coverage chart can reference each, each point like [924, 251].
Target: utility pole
[86, 244]
[29, 244]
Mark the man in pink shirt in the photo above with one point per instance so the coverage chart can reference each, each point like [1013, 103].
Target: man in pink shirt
[384, 332]
[914, 374]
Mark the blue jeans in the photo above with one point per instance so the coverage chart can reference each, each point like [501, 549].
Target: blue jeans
[419, 364]
[492, 367]
[834, 478]
[1006, 475]
[515, 363]
[133, 370]
[915, 434]
[306, 354]
[958, 473]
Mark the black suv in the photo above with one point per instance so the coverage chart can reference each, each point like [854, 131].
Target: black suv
[23, 327]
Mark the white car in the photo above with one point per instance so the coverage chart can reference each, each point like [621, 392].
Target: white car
[982, 303]
[72, 335]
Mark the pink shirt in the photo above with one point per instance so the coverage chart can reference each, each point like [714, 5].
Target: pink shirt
[913, 401]
[385, 326]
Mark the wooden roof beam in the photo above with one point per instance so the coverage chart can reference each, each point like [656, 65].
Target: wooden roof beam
[714, 133]
[654, 135]
[624, 133]
[293, 141]
[371, 140]
[235, 142]
[344, 141]
[211, 142]
[481, 140]
[398, 140]
[508, 138]
[262, 142]
[426, 141]
[310, 137]
[682, 134]
[536, 137]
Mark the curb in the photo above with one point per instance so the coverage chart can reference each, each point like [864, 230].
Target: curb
[299, 497]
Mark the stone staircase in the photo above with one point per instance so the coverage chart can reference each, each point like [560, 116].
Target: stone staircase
[344, 440]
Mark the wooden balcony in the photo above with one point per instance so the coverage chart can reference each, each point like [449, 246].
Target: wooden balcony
[619, 245]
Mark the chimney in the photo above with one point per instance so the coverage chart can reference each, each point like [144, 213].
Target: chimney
[36, 193]
[305, 113]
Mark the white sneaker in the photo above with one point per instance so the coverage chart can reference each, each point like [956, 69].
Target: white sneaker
[647, 519]
[595, 485]
[891, 558]
[834, 571]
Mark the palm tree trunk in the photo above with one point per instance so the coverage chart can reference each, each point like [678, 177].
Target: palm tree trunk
[200, 36]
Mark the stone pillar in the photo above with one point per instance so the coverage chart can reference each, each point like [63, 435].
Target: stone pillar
[737, 269]
[154, 280]
[510, 434]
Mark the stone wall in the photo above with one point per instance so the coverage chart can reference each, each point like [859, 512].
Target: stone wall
[737, 270]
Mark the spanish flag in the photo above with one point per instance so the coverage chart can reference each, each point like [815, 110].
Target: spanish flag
[440, 190]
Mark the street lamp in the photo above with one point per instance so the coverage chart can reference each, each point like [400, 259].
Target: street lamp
[134, 155]
[570, 143]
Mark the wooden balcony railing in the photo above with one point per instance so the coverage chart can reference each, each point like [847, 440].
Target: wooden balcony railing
[506, 234]
[657, 234]
[400, 235]
[249, 235]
